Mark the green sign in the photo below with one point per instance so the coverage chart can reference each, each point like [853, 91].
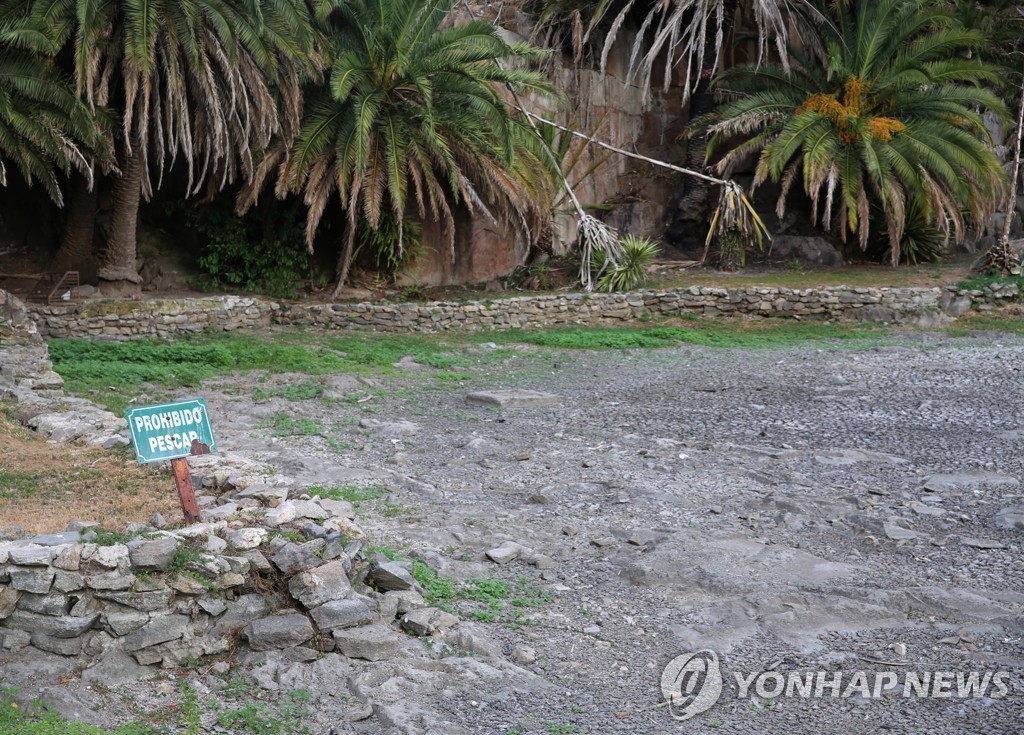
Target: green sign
[168, 430]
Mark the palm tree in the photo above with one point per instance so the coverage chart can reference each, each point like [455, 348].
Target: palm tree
[187, 78]
[44, 129]
[888, 115]
[411, 123]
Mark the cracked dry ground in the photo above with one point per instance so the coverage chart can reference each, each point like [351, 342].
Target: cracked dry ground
[793, 509]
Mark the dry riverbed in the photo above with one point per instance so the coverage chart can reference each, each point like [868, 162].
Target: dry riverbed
[812, 511]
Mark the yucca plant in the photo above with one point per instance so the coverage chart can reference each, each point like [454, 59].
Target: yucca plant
[629, 272]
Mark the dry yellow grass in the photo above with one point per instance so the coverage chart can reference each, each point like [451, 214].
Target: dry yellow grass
[44, 486]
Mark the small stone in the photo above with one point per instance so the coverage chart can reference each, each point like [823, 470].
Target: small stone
[284, 513]
[505, 553]
[212, 606]
[900, 649]
[982, 543]
[898, 533]
[523, 654]
[309, 509]
[313, 530]
[522, 456]
[246, 538]
[338, 508]
[592, 629]
[215, 545]
[292, 557]
[603, 542]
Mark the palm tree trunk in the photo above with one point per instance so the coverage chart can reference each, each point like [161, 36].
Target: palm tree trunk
[345, 259]
[75, 251]
[118, 277]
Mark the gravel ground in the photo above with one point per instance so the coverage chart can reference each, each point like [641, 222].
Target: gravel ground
[809, 510]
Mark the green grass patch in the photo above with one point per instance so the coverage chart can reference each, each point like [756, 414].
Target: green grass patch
[300, 392]
[281, 425]
[15, 485]
[711, 333]
[982, 281]
[37, 720]
[351, 493]
[994, 321]
[110, 372]
[485, 600]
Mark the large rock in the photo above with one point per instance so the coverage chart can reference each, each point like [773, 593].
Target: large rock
[292, 557]
[323, 584]
[154, 556]
[514, 398]
[278, 631]
[391, 576]
[16, 327]
[159, 630]
[32, 579]
[64, 626]
[341, 614]
[810, 250]
[371, 642]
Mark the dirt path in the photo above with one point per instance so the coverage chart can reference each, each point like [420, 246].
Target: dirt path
[804, 510]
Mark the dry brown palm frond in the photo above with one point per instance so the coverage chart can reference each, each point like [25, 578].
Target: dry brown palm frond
[683, 34]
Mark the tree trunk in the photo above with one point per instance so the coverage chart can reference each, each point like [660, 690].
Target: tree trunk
[118, 276]
[75, 251]
[345, 259]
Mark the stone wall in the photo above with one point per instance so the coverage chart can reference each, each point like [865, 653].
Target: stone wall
[117, 320]
[130, 320]
[268, 563]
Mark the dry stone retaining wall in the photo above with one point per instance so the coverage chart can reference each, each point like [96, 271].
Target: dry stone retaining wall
[268, 563]
[124, 321]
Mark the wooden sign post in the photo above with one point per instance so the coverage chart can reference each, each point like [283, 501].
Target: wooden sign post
[173, 431]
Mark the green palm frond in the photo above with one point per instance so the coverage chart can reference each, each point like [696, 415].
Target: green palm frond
[890, 115]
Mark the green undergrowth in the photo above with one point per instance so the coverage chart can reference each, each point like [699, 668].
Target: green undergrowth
[710, 333]
[982, 281]
[38, 720]
[117, 374]
[110, 372]
[485, 600]
[351, 493]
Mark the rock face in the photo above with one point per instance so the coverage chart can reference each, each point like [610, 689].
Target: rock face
[16, 325]
[808, 250]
